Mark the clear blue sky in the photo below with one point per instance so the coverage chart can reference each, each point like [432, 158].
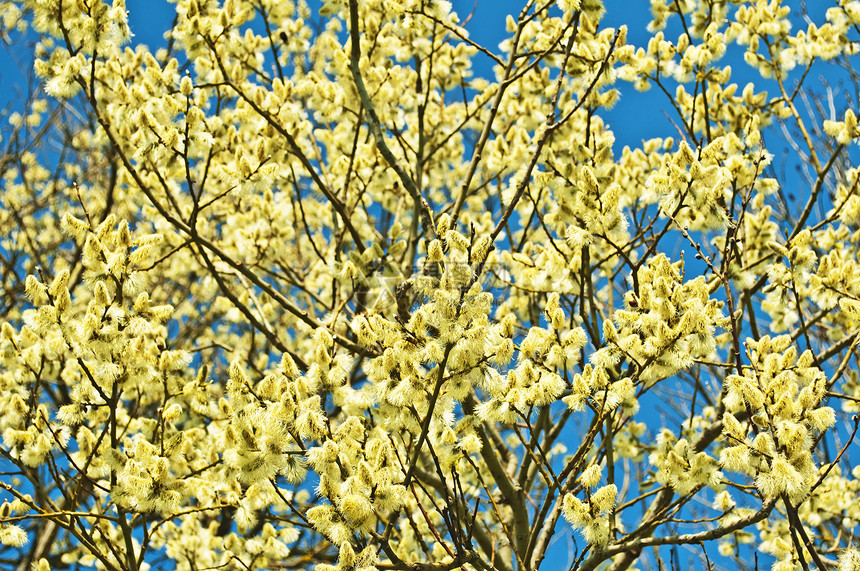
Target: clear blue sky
[149, 19]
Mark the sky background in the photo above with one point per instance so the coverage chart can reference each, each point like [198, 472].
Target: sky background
[636, 117]
[150, 18]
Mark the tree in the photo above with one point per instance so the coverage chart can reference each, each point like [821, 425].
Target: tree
[301, 289]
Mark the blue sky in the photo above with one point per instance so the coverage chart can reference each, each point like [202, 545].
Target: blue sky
[149, 19]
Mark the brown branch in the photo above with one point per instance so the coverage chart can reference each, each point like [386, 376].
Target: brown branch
[376, 128]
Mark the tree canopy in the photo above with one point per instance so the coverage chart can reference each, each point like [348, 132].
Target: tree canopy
[303, 288]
